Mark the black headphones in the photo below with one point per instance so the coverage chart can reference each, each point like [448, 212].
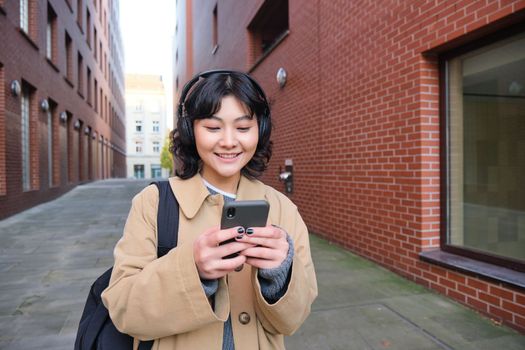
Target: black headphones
[185, 124]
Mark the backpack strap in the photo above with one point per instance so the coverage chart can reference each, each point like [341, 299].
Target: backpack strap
[167, 219]
[167, 229]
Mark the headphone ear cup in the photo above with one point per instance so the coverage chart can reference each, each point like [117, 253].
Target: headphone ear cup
[264, 126]
[186, 130]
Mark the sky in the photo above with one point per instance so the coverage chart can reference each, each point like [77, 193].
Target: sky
[147, 29]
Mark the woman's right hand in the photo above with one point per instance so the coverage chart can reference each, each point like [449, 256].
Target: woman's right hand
[208, 254]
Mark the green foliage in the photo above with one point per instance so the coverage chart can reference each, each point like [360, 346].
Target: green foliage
[166, 159]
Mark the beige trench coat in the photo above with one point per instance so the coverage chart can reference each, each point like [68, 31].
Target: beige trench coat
[163, 299]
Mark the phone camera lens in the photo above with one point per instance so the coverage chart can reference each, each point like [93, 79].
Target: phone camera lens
[230, 213]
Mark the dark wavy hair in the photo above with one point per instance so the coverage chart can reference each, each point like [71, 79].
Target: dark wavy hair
[203, 101]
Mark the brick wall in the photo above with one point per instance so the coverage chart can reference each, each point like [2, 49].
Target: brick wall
[3, 170]
[359, 117]
[23, 58]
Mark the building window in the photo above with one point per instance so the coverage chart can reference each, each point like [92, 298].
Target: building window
[268, 28]
[25, 140]
[215, 34]
[88, 85]
[51, 46]
[24, 15]
[88, 28]
[156, 126]
[484, 156]
[69, 57]
[53, 155]
[156, 171]
[3, 172]
[139, 107]
[156, 147]
[95, 103]
[50, 147]
[101, 103]
[138, 125]
[100, 63]
[138, 147]
[80, 15]
[138, 171]
[95, 43]
[80, 74]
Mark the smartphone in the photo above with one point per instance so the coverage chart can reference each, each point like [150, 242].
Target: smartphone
[243, 213]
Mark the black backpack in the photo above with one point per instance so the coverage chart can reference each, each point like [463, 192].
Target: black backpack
[96, 330]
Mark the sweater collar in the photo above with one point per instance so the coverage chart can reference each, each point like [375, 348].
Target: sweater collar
[192, 193]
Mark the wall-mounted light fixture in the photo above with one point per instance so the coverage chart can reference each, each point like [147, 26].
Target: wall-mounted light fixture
[281, 77]
[94, 135]
[16, 88]
[77, 125]
[63, 117]
[87, 130]
[44, 105]
[101, 138]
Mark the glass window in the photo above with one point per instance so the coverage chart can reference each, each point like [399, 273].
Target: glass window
[486, 151]
[138, 171]
[139, 107]
[268, 28]
[215, 33]
[138, 147]
[24, 15]
[156, 171]
[26, 180]
[69, 57]
[156, 147]
[138, 125]
[50, 147]
[156, 126]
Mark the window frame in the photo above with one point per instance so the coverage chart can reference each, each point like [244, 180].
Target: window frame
[156, 146]
[51, 34]
[24, 15]
[445, 167]
[256, 27]
[25, 137]
[3, 169]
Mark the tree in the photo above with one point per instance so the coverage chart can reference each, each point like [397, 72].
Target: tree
[166, 159]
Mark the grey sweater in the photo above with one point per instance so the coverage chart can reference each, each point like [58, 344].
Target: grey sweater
[274, 283]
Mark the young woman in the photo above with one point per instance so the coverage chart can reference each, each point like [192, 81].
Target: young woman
[194, 297]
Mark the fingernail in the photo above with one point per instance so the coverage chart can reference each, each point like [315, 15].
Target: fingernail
[240, 230]
[249, 231]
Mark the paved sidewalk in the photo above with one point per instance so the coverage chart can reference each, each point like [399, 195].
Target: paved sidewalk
[51, 254]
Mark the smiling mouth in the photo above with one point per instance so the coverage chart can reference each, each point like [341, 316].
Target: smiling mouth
[227, 155]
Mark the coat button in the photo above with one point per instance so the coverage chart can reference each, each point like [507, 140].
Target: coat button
[239, 268]
[244, 318]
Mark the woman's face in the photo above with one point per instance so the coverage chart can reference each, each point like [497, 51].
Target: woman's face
[226, 142]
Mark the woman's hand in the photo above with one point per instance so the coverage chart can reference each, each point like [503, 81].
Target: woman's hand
[269, 247]
[208, 254]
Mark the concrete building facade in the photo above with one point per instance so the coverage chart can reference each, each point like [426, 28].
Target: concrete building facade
[61, 98]
[402, 123]
[146, 129]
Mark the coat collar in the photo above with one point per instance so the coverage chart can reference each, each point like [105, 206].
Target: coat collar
[192, 193]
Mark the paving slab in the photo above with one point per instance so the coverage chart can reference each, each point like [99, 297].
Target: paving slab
[362, 305]
[51, 254]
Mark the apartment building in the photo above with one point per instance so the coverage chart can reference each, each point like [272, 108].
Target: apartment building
[146, 129]
[62, 113]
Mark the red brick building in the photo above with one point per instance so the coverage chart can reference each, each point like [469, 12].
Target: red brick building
[404, 122]
[61, 98]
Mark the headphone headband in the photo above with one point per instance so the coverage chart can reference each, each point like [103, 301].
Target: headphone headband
[186, 89]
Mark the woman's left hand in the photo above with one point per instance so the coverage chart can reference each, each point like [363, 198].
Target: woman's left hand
[271, 247]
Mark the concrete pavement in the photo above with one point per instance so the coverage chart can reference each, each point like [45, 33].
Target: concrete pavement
[51, 254]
